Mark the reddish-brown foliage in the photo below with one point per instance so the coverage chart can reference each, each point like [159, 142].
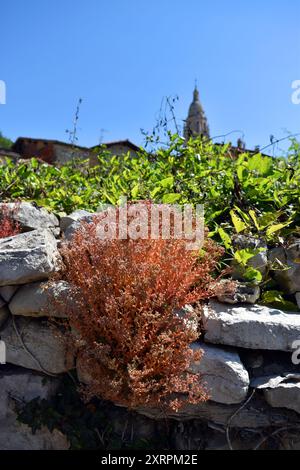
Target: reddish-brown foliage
[8, 226]
[133, 347]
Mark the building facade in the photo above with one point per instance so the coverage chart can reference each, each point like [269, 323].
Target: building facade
[56, 152]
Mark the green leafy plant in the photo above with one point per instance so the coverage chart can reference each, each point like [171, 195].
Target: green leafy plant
[276, 299]
[250, 194]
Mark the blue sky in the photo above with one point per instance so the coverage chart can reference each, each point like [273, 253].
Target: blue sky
[123, 56]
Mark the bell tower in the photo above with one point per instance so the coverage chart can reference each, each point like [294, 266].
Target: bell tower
[196, 122]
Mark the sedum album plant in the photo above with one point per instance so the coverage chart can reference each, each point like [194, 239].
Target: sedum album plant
[134, 348]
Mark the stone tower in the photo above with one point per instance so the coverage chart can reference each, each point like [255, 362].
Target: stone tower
[196, 122]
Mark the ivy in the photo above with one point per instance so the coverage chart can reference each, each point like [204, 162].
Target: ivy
[250, 194]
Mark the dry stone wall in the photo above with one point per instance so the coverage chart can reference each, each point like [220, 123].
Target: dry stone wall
[249, 349]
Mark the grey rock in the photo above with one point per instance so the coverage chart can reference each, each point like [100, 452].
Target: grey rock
[83, 374]
[252, 359]
[76, 216]
[280, 391]
[256, 414]
[42, 299]
[272, 381]
[4, 314]
[45, 343]
[23, 386]
[222, 372]
[2, 353]
[208, 436]
[7, 292]
[189, 316]
[2, 302]
[242, 294]
[18, 436]
[28, 257]
[136, 426]
[19, 387]
[289, 256]
[31, 217]
[274, 363]
[259, 261]
[285, 395]
[74, 226]
[290, 440]
[298, 299]
[253, 327]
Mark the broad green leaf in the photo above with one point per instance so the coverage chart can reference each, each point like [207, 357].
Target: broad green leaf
[253, 217]
[260, 164]
[135, 191]
[275, 228]
[276, 299]
[244, 216]
[241, 173]
[267, 219]
[253, 275]
[155, 191]
[167, 182]
[244, 255]
[239, 225]
[171, 198]
[225, 238]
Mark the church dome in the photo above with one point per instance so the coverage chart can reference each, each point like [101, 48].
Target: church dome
[195, 106]
[195, 109]
[196, 122]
